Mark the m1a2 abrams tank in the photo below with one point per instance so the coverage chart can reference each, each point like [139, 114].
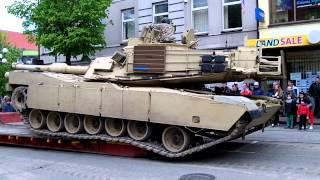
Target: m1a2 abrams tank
[132, 97]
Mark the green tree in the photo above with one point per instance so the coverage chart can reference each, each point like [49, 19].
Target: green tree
[12, 55]
[68, 27]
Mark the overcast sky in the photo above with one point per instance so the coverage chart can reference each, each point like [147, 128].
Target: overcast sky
[8, 21]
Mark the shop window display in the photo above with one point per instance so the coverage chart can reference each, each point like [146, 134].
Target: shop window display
[308, 9]
[283, 11]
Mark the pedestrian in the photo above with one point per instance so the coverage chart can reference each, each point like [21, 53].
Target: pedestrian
[225, 89]
[235, 90]
[245, 90]
[303, 114]
[270, 90]
[304, 98]
[293, 87]
[291, 91]
[311, 110]
[257, 90]
[278, 94]
[6, 105]
[314, 92]
[290, 110]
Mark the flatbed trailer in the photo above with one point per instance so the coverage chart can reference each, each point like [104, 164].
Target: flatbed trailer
[14, 132]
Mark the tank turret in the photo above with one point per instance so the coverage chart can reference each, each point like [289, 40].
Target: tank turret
[169, 63]
[155, 59]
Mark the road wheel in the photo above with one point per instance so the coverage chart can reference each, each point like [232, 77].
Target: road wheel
[175, 139]
[139, 130]
[55, 122]
[73, 123]
[92, 125]
[37, 119]
[115, 127]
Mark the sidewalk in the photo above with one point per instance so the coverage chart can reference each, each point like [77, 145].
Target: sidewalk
[282, 127]
[283, 120]
[277, 134]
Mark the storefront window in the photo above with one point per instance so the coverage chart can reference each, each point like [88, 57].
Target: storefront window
[283, 11]
[308, 9]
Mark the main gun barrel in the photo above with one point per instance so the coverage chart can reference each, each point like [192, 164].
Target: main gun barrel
[56, 67]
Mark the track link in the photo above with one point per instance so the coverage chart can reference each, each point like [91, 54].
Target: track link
[149, 146]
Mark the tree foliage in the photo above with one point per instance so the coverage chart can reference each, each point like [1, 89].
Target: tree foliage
[68, 27]
[12, 56]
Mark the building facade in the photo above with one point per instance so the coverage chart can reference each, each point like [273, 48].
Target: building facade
[219, 24]
[29, 50]
[291, 28]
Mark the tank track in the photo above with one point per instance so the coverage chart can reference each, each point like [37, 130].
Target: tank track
[156, 148]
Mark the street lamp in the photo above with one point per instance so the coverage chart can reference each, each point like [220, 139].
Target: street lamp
[3, 59]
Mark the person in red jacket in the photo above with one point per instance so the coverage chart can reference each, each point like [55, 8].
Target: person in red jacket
[245, 90]
[303, 113]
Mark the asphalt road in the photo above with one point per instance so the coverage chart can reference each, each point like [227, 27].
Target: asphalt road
[276, 154]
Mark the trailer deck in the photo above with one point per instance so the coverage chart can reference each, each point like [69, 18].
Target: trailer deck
[14, 132]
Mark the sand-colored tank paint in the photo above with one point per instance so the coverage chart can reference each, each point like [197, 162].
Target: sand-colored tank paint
[146, 88]
[50, 91]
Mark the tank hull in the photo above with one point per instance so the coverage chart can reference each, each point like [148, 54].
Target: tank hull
[207, 119]
[68, 93]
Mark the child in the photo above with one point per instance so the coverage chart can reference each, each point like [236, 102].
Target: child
[303, 114]
[302, 97]
[289, 109]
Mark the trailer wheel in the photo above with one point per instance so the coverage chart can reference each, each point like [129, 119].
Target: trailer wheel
[175, 139]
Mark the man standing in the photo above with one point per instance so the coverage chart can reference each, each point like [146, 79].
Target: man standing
[6, 105]
[314, 91]
[257, 91]
[293, 87]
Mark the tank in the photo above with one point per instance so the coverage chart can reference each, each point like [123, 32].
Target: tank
[147, 96]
